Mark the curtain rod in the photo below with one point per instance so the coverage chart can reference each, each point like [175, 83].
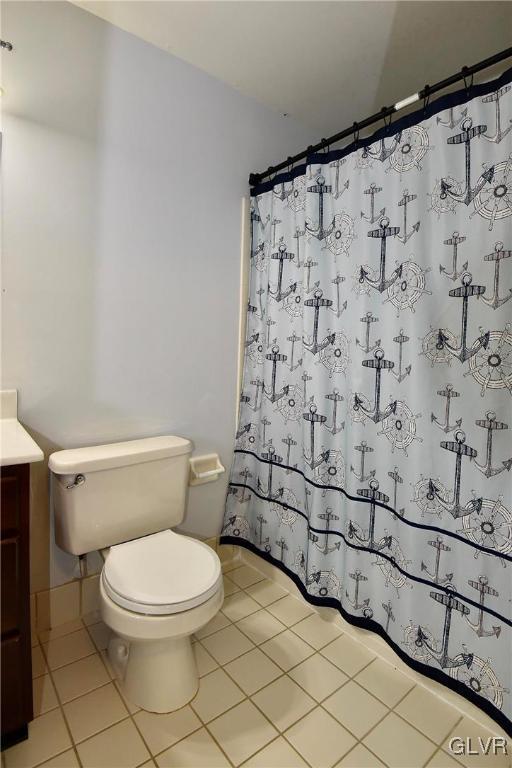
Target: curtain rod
[425, 93]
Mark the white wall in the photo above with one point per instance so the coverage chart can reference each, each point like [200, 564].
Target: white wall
[123, 173]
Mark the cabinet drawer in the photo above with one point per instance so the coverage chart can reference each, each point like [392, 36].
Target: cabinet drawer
[11, 501]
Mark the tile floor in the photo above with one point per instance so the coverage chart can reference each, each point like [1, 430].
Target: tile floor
[279, 688]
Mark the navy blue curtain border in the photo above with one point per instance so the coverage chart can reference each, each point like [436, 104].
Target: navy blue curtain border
[359, 500]
[373, 626]
[382, 554]
[447, 101]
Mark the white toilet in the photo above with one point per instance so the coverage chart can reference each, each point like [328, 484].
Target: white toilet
[157, 587]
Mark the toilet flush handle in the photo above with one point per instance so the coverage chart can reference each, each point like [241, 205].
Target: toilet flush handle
[79, 480]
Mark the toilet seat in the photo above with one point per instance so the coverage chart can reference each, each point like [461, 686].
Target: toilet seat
[161, 574]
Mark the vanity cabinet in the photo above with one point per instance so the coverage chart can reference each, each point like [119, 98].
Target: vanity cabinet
[15, 611]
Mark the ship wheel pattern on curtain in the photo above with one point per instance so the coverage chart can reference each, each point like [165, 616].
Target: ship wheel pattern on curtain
[373, 455]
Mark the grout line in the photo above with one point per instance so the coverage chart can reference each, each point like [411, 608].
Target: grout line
[416, 677]
[87, 655]
[202, 727]
[69, 634]
[412, 724]
[161, 752]
[62, 712]
[365, 734]
[291, 744]
[349, 677]
[246, 697]
[130, 715]
[249, 695]
[60, 637]
[52, 757]
[446, 752]
[292, 747]
[101, 730]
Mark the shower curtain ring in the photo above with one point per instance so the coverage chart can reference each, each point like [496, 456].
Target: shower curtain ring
[386, 118]
[426, 97]
[290, 164]
[355, 131]
[466, 77]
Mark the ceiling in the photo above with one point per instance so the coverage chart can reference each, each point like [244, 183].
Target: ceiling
[324, 63]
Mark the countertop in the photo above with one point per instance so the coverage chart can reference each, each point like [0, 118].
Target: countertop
[16, 445]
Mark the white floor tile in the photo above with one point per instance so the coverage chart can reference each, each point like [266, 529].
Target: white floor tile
[252, 671]
[196, 751]
[100, 634]
[162, 731]
[245, 576]
[67, 759]
[65, 650]
[385, 682]
[80, 677]
[355, 708]
[283, 702]
[227, 644]
[238, 606]
[399, 744]
[118, 747]
[47, 737]
[290, 610]
[320, 739]
[130, 706]
[349, 655]
[260, 626]
[218, 622]
[428, 713]
[278, 754]
[242, 731]
[38, 662]
[287, 650]
[217, 693]
[442, 760]
[60, 631]
[229, 586]
[205, 662]
[43, 695]
[93, 712]
[266, 592]
[316, 631]
[318, 677]
[359, 757]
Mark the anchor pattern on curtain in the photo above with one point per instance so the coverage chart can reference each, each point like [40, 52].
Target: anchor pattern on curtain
[373, 452]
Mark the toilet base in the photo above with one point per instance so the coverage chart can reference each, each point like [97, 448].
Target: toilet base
[152, 655]
[156, 675]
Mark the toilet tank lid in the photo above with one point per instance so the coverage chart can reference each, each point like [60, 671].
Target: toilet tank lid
[98, 457]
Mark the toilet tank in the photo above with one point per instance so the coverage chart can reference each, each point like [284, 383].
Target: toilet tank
[107, 494]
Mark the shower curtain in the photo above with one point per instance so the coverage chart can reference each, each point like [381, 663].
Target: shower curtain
[373, 451]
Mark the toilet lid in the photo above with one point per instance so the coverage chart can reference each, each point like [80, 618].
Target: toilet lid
[161, 574]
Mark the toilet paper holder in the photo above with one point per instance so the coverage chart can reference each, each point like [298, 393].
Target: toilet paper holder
[205, 469]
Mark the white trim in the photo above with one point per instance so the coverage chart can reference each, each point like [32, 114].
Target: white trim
[245, 248]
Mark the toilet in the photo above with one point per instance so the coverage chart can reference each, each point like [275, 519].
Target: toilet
[157, 587]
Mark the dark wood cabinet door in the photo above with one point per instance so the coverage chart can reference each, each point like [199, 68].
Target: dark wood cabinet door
[15, 614]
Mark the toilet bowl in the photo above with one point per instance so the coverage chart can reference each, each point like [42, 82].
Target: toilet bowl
[155, 592]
